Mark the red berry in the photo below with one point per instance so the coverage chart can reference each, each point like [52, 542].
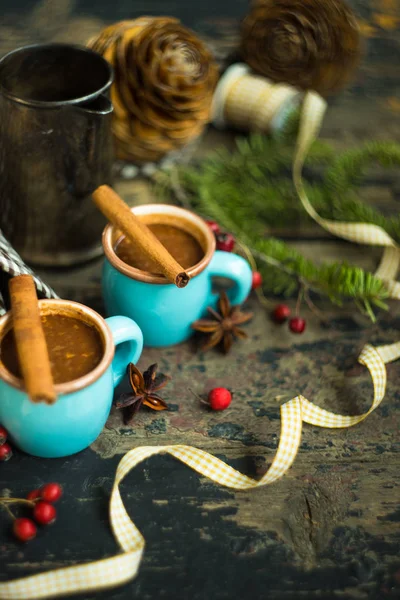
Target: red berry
[24, 529]
[5, 452]
[44, 513]
[297, 325]
[33, 495]
[256, 281]
[51, 492]
[3, 434]
[215, 228]
[225, 242]
[219, 398]
[281, 313]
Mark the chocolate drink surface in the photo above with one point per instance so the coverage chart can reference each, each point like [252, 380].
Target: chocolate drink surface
[75, 348]
[185, 249]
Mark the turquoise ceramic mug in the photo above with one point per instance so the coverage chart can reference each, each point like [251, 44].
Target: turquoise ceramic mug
[83, 405]
[164, 312]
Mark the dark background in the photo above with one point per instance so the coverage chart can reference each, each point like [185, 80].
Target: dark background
[28, 21]
[191, 12]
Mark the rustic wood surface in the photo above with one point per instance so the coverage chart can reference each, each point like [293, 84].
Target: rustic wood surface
[331, 527]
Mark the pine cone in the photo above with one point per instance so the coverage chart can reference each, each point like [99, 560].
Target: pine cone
[164, 84]
[310, 44]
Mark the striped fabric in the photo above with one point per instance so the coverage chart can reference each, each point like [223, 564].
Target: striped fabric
[11, 264]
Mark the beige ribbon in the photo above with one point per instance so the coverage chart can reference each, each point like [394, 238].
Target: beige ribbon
[313, 110]
[123, 567]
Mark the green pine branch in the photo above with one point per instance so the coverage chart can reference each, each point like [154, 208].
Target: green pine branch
[249, 191]
[260, 169]
[284, 269]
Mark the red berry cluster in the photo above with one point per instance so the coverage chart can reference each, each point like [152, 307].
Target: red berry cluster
[226, 242]
[41, 501]
[5, 448]
[282, 313]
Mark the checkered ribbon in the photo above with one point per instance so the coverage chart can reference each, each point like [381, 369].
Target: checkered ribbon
[11, 264]
[123, 567]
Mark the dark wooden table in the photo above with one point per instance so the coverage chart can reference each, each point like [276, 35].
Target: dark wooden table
[328, 529]
[331, 527]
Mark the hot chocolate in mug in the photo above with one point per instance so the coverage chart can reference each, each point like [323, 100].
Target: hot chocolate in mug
[83, 404]
[164, 312]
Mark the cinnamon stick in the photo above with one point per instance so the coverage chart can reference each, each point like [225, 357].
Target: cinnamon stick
[120, 215]
[30, 340]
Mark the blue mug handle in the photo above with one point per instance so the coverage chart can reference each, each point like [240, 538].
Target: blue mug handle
[236, 268]
[128, 340]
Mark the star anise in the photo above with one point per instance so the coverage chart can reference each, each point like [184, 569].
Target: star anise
[223, 328]
[144, 388]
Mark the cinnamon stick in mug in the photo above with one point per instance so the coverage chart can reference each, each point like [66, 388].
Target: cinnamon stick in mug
[120, 215]
[30, 340]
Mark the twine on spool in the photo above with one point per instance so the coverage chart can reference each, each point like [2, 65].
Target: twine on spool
[252, 103]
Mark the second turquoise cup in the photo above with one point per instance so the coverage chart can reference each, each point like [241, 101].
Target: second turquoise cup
[78, 416]
[164, 312]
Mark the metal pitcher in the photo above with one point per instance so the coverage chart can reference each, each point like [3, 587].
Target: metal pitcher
[55, 149]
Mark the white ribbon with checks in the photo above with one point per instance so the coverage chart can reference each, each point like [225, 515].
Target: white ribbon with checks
[313, 110]
[123, 567]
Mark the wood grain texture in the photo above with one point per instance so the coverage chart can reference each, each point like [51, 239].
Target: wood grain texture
[329, 529]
